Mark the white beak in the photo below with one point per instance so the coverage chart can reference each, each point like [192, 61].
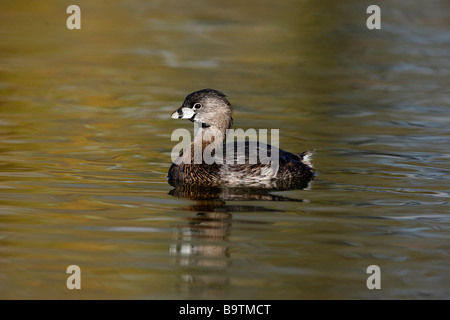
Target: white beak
[186, 113]
[175, 115]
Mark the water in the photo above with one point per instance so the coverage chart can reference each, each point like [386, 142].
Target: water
[85, 148]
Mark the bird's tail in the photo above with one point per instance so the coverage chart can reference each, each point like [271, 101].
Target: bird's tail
[306, 157]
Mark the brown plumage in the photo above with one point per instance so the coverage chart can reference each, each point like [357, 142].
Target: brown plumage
[213, 113]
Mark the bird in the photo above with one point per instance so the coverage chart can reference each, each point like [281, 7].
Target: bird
[234, 162]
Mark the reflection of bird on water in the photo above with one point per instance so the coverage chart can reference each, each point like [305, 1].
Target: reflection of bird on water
[195, 192]
[214, 219]
[202, 244]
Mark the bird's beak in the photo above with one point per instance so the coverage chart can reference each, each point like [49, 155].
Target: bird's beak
[183, 113]
[175, 115]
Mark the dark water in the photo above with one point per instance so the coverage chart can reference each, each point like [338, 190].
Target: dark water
[85, 147]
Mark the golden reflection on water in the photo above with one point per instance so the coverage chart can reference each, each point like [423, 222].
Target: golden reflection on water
[85, 148]
[203, 241]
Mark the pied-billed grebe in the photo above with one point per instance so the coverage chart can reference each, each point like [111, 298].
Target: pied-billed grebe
[212, 112]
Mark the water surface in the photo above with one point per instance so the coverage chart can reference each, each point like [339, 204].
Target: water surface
[85, 148]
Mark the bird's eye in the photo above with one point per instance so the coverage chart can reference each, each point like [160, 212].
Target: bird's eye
[197, 106]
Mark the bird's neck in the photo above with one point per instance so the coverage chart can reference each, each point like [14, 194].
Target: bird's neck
[205, 136]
